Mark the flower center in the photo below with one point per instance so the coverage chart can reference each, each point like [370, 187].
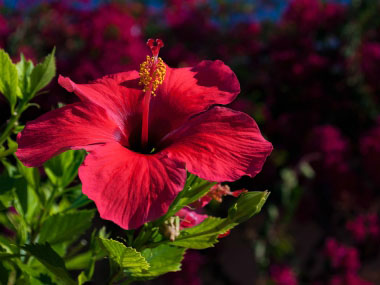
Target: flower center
[152, 74]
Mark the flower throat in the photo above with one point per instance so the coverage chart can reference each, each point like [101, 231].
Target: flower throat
[152, 73]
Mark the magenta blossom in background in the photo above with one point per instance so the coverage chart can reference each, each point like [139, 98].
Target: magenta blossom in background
[133, 174]
[348, 278]
[332, 147]
[364, 226]
[306, 14]
[370, 151]
[113, 41]
[283, 275]
[370, 62]
[342, 256]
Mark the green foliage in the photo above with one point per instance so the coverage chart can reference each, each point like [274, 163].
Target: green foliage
[24, 68]
[206, 233]
[62, 227]
[194, 189]
[126, 257]
[63, 169]
[51, 260]
[82, 278]
[8, 79]
[31, 175]
[247, 205]
[162, 259]
[42, 74]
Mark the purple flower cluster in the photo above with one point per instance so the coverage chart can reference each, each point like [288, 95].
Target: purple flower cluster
[344, 260]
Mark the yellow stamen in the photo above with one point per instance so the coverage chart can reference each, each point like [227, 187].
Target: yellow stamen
[152, 73]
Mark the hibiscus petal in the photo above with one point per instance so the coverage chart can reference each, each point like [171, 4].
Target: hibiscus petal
[219, 145]
[189, 91]
[71, 127]
[129, 188]
[119, 94]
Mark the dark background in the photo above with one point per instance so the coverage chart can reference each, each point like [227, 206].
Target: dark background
[309, 74]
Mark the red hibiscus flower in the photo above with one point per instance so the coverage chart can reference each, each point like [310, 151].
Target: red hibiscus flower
[140, 145]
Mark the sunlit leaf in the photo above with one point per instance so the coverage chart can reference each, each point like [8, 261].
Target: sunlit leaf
[127, 257]
[61, 227]
[42, 74]
[206, 233]
[24, 68]
[162, 259]
[8, 79]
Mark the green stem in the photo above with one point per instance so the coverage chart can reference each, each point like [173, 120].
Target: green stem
[45, 211]
[8, 152]
[12, 121]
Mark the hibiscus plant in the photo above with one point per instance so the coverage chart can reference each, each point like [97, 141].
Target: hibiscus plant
[152, 147]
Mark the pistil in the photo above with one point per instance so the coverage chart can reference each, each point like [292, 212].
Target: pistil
[152, 74]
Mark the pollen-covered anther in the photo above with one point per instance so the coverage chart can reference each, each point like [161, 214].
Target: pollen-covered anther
[152, 73]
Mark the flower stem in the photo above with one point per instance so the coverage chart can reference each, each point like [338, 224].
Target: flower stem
[8, 151]
[12, 122]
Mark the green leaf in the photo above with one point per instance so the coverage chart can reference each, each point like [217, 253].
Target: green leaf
[80, 201]
[80, 261]
[61, 227]
[32, 175]
[8, 79]
[82, 278]
[247, 205]
[50, 259]
[162, 259]
[24, 68]
[6, 182]
[126, 257]
[42, 74]
[205, 234]
[21, 192]
[63, 168]
[26, 199]
[7, 255]
[194, 189]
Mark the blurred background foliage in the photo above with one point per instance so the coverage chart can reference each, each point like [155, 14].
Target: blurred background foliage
[309, 74]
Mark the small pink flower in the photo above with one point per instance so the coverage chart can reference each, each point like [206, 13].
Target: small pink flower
[190, 218]
[364, 226]
[217, 192]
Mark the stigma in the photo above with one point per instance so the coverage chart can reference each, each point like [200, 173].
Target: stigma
[153, 69]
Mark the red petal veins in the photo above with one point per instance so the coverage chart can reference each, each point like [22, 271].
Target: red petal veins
[129, 188]
[71, 127]
[189, 91]
[219, 145]
[119, 94]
